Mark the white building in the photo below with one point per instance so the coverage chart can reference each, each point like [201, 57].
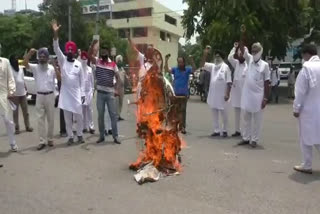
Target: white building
[148, 22]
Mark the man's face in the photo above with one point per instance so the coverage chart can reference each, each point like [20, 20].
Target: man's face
[181, 63]
[218, 58]
[255, 50]
[104, 53]
[306, 57]
[70, 53]
[43, 59]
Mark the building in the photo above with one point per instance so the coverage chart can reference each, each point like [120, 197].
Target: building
[148, 22]
[10, 12]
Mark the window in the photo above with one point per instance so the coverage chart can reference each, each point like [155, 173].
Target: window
[140, 32]
[169, 37]
[162, 36]
[170, 20]
[132, 13]
[122, 32]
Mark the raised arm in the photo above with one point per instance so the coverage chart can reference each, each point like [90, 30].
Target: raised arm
[56, 47]
[231, 57]
[132, 45]
[27, 58]
[166, 66]
[93, 50]
[205, 56]
[193, 65]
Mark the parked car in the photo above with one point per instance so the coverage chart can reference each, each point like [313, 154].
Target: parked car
[284, 68]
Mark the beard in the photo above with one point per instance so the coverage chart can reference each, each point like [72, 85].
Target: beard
[70, 57]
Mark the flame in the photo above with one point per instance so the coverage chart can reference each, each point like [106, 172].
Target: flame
[160, 133]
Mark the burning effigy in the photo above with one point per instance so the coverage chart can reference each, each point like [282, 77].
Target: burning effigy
[157, 126]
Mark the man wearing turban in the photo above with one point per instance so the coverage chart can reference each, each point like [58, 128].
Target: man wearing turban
[44, 75]
[72, 94]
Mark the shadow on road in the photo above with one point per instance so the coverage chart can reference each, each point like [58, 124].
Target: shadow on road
[304, 178]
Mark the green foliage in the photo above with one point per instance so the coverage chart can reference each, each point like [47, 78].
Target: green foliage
[21, 32]
[274, 23]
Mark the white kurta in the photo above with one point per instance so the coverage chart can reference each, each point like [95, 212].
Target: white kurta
[72, 82]
[240, 71]
[7, 86]
[307, 102]
[220, 77]
[88, 84]
[253, 89]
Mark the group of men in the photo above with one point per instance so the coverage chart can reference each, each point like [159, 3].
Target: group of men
[248, 92]
[78, 77]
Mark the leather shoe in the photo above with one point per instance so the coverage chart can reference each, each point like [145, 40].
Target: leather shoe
[41, 146]
[244, 142]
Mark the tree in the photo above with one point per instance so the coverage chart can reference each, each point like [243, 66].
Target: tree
[272, 22]
[15, 35]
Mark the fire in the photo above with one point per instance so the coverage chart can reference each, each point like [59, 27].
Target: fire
[157, 124]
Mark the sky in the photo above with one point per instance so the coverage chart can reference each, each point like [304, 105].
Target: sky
[33, 4]
[175, 5]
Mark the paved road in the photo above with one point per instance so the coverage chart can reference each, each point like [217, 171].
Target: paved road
[218, 177]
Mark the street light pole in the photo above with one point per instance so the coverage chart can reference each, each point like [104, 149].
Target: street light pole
[97, 17]
[69, 20]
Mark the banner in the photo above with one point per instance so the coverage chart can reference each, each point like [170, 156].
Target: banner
[90, 6]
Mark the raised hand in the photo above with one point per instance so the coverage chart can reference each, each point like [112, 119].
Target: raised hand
[168, 57]
[243, 28]
[32, 51]
[207, 49]
[55, 26]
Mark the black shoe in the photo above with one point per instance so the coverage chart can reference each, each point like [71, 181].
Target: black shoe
[101, 140]
[91, 131]
[225, 134]
[236, 134]
[29, 129]
[63, 134]
[41, 146]
[70, 142]
[1, 165]
[85, 131]
[116, 140]
[253, 144]
[110, 131]
[215, 134]
[80, 140]
[244, 142]
[120, 119]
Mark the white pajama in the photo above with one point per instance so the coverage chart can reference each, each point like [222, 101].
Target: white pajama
[10, 129]
[307, 155]
[252, 124]
[45, 109]
[216, 122]
[87, 117]
[237, 119]
[69, 121]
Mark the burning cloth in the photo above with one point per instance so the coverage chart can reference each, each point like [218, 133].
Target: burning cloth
[157, 123]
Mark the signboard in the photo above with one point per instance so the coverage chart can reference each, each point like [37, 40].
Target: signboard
[90, 6]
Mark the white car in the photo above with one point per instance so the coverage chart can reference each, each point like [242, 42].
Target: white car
[31, 84]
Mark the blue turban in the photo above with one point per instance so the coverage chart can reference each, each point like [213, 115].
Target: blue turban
[43, 51]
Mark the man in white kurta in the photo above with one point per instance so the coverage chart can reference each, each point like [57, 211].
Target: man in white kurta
[72, 94]
[7, 89]
[88, 90]
[45, 76]
[306, 106]
[219, 92]
[240, 66]
[254, 95]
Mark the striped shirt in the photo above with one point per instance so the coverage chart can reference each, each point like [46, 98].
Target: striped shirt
[105, 74]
